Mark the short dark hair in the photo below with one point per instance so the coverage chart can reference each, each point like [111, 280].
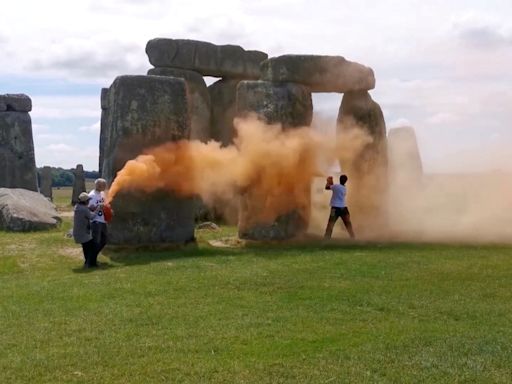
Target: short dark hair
[343, 179]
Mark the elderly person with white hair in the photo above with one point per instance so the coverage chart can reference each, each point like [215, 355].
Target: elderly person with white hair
[98, 222]
[82, 229]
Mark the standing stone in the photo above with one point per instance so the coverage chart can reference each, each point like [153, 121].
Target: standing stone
[17, 102]
[405, 180]
[198, 98]
[146, 111]
[223, 110]
[46, 182]
[290, 105]
[103, 127]
[17, 160]
[320, 73]
[362, 132]
[404, 156]
[78, 183]
[285, 103]
[231, 61]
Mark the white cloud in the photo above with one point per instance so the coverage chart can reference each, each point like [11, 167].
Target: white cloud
[444, 73]
[91, 128]
[65, 107]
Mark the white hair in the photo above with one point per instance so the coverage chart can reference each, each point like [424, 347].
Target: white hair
[100, 181]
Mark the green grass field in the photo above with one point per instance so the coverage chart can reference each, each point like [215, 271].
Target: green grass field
[297, 313]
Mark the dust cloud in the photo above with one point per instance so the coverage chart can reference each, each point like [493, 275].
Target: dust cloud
[465, 207]
[275, 165]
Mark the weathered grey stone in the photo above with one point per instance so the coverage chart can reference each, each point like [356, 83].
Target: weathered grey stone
[286, 103]
[46, 183]
[361, 123]
[208, 225]
[208, 59]
[15, 102]
[104, 98]
[404, 156]
[223, 110]
[283, 227]
[78, 183]
[320, 73]
[146, 111]
[103, 126]
[290, 105]
[198, 97]
[18, 165]
[23, 210]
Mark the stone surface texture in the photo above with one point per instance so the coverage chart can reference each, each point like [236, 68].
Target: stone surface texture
[22, 210]
[229, 61]
[17, 159]
[146, 111]
[320, 73]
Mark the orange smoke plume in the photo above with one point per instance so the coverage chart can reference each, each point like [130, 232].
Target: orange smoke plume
[274, 164]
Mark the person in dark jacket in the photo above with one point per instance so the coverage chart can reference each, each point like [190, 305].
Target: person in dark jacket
[82, 230]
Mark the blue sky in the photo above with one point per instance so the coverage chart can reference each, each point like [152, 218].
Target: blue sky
[442, 68]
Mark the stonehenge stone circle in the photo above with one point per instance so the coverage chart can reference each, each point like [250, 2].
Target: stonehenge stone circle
[145, 111]
[231, 61]
[320, 73]
[78, 183]
[46, 182]
[16, 144]
[199, 100]
[22, 210]
[173, 102]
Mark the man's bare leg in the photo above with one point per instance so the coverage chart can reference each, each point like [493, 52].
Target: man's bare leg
[348, 225]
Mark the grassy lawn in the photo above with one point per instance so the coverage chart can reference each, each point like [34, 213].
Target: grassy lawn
[299, 313]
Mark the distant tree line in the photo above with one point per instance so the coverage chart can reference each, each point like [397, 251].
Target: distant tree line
[64, 177]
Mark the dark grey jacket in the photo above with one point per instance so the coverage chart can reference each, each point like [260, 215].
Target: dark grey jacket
[82, 224]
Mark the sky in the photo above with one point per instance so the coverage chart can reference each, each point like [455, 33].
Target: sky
[442, 67]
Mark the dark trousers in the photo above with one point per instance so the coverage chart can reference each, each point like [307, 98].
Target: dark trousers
[99, 235]
[333, 216]
[89, 249]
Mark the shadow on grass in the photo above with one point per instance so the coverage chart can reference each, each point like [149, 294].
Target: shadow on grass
[101, 267]
[133, 256]
[140, 256]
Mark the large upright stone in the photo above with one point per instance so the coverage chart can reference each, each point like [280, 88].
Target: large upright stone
[290, 105]
[103, 127]
[198, 97]
[285, 103]
[146, 111]
[405, 177]
[208, 59]
[16, 102]
[18, 165]
[362, 135]
[46, 182]
[320, 73]
[78, 183]
[223, 110]
[404, 156]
